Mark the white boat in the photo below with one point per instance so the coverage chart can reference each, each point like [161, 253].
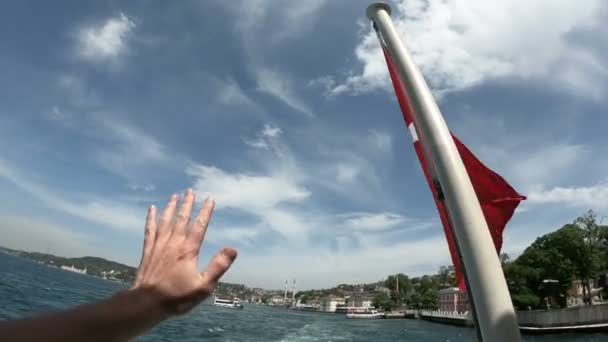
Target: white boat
[74, 269]
[228, 303]
[364, 314]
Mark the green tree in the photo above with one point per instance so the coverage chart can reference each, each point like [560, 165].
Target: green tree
[546, 269]
[589, 260]
[400, 286]
[425, 292]
[383, 301]
[525, 301]
[447, 276]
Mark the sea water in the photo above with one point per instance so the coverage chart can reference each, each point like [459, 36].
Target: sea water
[28, 288]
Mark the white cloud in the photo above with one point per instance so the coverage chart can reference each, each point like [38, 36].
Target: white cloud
[279, 196]
[265, 139]
[106, 41]
[144, 187]
[374, 221]
[245, 191]
[270, 131]
[322, 268]
[107, 213]
[458, 44]
[280, 86]
[585, 197]
[259, 195]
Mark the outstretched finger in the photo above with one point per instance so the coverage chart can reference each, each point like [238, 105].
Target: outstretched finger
[166, 219]
[216, 268]
[197, 232]
[183, 216]
[149, 238]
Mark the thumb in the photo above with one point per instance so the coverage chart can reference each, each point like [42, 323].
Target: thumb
[218, 265]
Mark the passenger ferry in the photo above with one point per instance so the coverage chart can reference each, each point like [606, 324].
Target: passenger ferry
[228, 303]
[364, 314]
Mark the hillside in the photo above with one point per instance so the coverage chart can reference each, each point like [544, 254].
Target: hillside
[95, 266]
[107, 269]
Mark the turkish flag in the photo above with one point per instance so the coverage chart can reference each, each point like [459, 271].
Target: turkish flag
[497, 198]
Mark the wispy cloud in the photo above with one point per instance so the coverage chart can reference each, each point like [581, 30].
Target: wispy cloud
[373, 221]
[144, 187]
[107, 213]
[260, 34]
[57, 114]
[298, 18]
[265, 138]
[79, 95]
[105, 41]
[231, 94]
[121, 148]
[290, 21]
[127, 150]
[281, 87]
[382, 141]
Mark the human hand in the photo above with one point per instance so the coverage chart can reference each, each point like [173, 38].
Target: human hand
[169, 264]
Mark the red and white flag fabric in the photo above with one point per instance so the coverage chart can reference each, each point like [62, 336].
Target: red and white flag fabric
[497, 198]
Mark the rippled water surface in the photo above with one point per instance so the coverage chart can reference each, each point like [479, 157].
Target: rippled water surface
[28, 288]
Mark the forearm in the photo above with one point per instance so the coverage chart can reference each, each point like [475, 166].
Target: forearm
[118, 318]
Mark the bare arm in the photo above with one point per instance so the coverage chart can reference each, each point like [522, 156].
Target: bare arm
[168, 283]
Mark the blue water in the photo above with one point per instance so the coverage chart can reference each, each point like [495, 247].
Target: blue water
[28, 288]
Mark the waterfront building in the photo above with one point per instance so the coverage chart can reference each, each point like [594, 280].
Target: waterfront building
[277, 300]
[359, 301]
[575, 293]
[451, 299]
[331, 303]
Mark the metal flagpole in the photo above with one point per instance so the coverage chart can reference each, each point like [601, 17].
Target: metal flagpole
[495, 313]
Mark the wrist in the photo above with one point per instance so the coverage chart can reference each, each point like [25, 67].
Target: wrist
[146, 302]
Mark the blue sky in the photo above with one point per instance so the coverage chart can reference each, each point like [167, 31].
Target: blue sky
[284, 112]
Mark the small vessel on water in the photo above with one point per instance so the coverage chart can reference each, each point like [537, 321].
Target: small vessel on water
[364, 314]
[234, 303]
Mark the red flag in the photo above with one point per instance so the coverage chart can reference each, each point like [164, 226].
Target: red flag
[497, 198]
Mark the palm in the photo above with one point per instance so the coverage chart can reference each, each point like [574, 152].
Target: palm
[171, 248]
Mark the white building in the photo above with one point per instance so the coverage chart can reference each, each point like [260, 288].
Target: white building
[277, 300]
[359, 301]
[331, 303]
